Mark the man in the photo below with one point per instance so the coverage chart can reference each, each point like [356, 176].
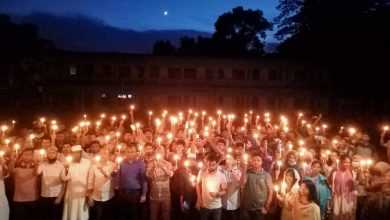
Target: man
[76, 174]
[94, 149]
[159, 171]
[210, 189]
[101, 187]
[257, 191]
[231, 201]
[132, 185]
[52, 187]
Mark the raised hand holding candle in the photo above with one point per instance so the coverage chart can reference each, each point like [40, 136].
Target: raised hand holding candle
[69, 159]
[176, 158]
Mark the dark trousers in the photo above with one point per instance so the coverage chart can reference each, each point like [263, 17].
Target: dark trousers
[129, 205]
[49, 210]
[101, 210]
[210, 214]
[246, 214]
[231, 214]
[25, 210]
[191, 214]
[160, 207]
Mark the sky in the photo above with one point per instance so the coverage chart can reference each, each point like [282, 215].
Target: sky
[142, 14]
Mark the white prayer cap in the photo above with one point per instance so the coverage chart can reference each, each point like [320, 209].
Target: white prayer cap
[76, 148]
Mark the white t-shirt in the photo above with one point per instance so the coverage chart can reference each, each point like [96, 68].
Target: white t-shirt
[211, 183]
[51, 178]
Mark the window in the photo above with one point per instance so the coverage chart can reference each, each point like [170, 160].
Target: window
[140, 70]
[154, 72]
[106, 70]
[72, 70]
[190, 73]
[221, 74]
[124, 71]
[255, 74]
[174, 73]
[238, 74]
[209, 73]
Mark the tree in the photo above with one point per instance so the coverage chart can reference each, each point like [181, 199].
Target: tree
[164, 48]
[238, 32]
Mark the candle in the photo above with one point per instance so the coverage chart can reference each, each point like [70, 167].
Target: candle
[276, 189]
[17, 147]
[107, 138]
[69, 159]
[284, 186]
[362, 164]
[186, 164]
[98, 158]
[2, 154]
[176, 157]
[118, 160]
[193, 180]
[119, 148]
[158, 157]
[42, 153]
[103, 116]
[385, 128]
[279, 163]
[290, 146]
[337, 163]
[123, 117]
[200, 165]
[352, 131]
[245, 156]
[159, 141]
[150, 117]
[3, 129]
[117, 134]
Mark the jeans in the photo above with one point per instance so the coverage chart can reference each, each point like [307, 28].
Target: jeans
[231, 214]
[49, 210]
[101, 210]
[129, 205]
[160, 207]
[210, 214]
[252, 215]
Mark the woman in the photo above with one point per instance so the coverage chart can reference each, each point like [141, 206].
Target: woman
[289, 190]
[305, 206]
[323, 191]
[342, 181]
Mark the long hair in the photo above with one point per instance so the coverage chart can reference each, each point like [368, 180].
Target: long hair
[312, 190]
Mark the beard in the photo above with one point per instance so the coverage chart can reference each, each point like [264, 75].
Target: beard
[51, 160]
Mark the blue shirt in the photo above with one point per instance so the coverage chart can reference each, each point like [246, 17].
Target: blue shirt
[323, 191]
[132, 176]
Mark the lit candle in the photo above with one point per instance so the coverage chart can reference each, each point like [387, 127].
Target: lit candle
[337, 163]
[3, 129]
[2, 154]
[186, 164]
[42, 153]
[118, 160]
[117, 134]
[279, 163]
[159, 139]
[119, 148]
[107, 138]
[276, 189]
[352, 131]
[284, 186]
[103, 116]
[200, 165]
[245, 156]
[17, 147]
[98, 158]
[158, 157]
[150, 117]
[385, 128]
[69, 159]
[176, 157]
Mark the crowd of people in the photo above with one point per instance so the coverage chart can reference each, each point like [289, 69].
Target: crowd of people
[192, 166]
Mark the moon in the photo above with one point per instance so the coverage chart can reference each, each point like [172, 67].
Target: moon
[165, 13]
